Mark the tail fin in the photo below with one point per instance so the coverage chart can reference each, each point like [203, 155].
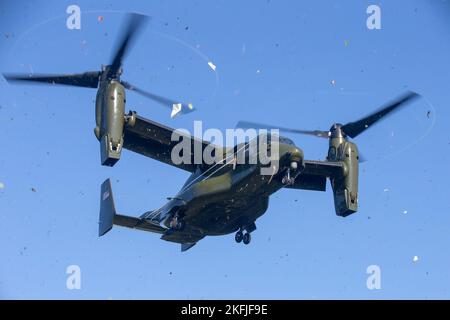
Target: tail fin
[107, 208]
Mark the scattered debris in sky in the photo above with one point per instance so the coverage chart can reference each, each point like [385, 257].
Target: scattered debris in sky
[2, 186]
[258, 71]
[23, 250]
[176, 109]
[33, 190]
[333, 82]
[428, 114]
[415, 258]
[186, 28]
[212, 66]
[405, 211]
[100, 18]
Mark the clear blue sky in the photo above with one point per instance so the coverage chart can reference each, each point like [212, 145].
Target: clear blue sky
[275, 63]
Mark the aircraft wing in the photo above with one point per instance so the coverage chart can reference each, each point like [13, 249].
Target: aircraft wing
[314, 177]
[323, 168]
[154, 140]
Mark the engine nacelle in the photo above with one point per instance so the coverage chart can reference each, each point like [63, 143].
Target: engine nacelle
[345, 186]
[110, 112]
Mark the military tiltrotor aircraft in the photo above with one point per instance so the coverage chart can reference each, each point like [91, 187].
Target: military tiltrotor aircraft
[223, 196]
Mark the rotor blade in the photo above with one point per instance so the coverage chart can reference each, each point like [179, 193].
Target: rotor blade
[133, 25]
[162, 100]
[254, 125]
[353, 129]
[87, 79]
[169, 103]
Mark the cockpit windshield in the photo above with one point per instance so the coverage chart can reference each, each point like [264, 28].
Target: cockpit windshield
[282, 139]
[286, 141]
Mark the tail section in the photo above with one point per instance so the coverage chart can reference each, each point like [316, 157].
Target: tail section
[107, 209]
[109, 216]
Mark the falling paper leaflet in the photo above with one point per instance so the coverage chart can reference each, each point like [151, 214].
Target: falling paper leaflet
[176, 109]
[212, 66]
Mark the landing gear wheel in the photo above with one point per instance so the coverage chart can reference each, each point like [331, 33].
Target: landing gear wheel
[247, 238]
[287, 179]
[239, 236]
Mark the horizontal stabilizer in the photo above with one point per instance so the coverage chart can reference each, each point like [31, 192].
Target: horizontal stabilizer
[137, 223]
